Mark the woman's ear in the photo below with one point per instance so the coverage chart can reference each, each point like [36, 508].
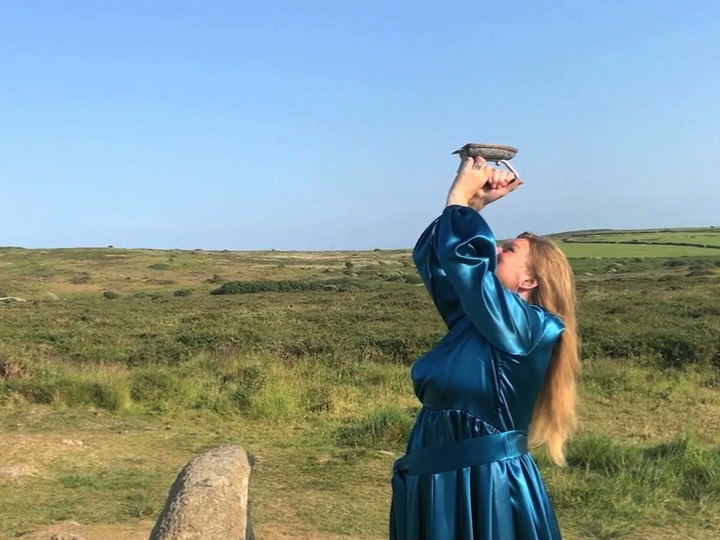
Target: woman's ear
[529, 283]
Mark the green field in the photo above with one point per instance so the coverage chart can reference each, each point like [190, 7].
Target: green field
[130, 368]
[582, 249]
[645, 243]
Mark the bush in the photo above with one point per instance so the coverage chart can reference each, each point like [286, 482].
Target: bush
[701, 482]
[616, 309]
[674, 263]
[81, 278]
[67, 386]
[318, 400]
[679, 349]
[159, 266]
[112, 395]
[392, 276]
[413, 279]
[182, 292]
[612, 345]
[153, 385]
[161, 281]
[700, 272]
[201, 340]
[404, 349]
[309, 346]
[110, 295]
[247, 382]
[9, 369]
[163, 389]
[248, 287]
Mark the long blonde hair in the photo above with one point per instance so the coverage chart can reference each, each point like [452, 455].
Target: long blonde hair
[554, 419]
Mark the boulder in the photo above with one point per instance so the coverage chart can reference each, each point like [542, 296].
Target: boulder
[209, 499]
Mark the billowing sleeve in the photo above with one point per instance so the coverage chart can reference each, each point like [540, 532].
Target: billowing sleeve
[465, 249]
[441, 291]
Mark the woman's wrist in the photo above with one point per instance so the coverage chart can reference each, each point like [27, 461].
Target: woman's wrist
[455, 198]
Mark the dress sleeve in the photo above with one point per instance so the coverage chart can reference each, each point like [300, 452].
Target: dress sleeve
[466, 251]
[436, 281]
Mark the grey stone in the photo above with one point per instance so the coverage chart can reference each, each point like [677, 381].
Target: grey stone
[9, 299]
[209, 499]
[489, 152]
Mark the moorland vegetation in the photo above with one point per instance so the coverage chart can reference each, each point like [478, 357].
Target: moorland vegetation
[141, 359]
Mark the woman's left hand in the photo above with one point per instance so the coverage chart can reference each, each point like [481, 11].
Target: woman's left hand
[477, 184]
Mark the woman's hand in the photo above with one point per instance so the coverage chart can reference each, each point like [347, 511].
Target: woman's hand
[477, 184]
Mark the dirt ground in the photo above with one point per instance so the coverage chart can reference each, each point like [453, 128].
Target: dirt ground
[70, 530]
[141, 531]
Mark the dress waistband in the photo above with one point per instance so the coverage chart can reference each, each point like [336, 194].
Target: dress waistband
[464, 453]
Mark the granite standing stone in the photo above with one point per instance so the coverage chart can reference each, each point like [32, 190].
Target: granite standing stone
[209, 499]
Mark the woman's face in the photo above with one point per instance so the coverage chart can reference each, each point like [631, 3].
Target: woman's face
[513, 259]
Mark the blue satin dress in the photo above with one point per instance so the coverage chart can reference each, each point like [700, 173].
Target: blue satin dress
[467, 474]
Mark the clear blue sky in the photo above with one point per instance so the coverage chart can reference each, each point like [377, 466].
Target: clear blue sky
[329, 124]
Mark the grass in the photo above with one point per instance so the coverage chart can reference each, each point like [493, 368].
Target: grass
[102, 401]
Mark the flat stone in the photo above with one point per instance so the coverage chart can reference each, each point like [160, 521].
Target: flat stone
[489, 152]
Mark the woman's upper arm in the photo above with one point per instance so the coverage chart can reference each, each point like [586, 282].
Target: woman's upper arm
[466, 251]
[436, 282]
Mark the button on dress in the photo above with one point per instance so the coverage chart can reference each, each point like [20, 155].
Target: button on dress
[467, 474]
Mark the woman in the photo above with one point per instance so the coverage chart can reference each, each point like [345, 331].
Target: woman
[506, 369]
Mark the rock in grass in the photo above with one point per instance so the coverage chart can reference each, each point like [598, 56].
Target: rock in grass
[10, 299]
[14, 472]
[209, 499]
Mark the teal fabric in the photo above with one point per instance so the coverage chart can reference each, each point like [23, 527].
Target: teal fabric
[465, 453]
[481, 381]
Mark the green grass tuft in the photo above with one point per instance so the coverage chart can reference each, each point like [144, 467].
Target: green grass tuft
[385, 428]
